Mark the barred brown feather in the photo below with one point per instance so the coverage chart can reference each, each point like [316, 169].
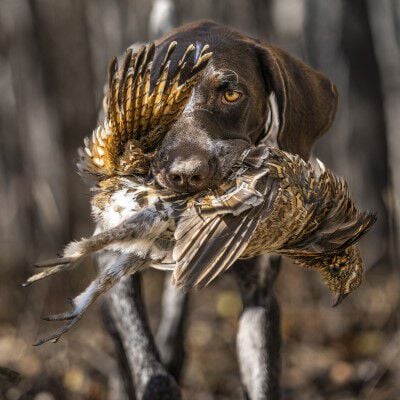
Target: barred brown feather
[138, 116]
[308, 217]
[272, 202]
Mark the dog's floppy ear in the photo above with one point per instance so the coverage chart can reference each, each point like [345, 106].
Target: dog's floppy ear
[306, 99]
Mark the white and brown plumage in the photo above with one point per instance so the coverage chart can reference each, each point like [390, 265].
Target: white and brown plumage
[137, 114]
[280, 204]
[272, 202]
[117, 156]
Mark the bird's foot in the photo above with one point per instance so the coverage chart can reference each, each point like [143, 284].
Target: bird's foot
[72, 317]
[52, 266]
[54, 337]
[52, 262]
[107, 278]
[79, 306]
[73, 252]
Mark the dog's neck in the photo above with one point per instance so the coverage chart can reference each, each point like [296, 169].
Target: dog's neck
[272, 123]
[272, 126]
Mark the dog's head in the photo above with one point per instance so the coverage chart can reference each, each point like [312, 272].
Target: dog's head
[250, 92]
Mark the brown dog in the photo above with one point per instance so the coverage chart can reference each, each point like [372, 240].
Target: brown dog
[232, 106]
[250, 92]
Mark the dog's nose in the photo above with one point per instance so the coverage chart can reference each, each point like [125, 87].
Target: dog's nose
[189, 175]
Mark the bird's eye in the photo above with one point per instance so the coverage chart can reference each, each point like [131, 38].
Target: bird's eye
[230, 96]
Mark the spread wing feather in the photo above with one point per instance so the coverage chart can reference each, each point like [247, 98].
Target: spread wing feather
[138, 115]
[309, 216]
[337, 222]
[207, 247]
[214, 252]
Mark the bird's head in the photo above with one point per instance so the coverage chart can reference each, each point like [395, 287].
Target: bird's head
[342, 272]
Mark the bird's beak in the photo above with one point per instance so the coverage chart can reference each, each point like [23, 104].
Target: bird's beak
[339, 298]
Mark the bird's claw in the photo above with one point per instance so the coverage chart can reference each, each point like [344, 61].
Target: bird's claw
[65, 316]
[48, 272]
[55, 337]
[55, 261]
[52, 267]
[72, 317]
[82, 302]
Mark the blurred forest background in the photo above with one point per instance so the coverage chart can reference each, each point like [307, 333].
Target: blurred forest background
[53, 61]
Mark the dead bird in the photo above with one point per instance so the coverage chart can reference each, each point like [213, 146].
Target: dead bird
[280, 204]
[140, 106]
[271, 202]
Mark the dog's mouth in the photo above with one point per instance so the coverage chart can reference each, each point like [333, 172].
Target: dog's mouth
[186, 184]
[192, 167]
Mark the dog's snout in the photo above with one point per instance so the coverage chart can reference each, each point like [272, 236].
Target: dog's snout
[189, 175]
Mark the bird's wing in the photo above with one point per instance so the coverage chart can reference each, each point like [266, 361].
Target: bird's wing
[138, 115]
[338, 223]
[308, 215]
[325, 217]
[210, 239]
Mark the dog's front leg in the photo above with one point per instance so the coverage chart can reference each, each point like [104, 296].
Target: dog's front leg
[259, 338]
[137, 355]
[171, 330]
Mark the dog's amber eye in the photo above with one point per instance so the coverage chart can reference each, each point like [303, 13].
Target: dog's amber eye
[230, 96]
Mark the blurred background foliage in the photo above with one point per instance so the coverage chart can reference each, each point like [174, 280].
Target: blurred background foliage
[53, 61]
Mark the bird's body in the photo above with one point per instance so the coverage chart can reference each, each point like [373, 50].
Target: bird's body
[272, 201]
[275, 202]
[293, 208]
[118, 199]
